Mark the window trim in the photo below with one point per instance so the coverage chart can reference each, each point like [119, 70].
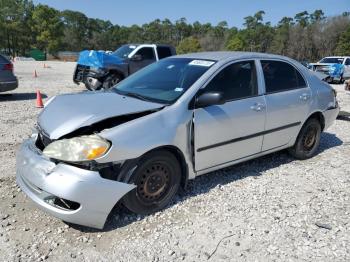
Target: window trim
[154, 53]
[258, 82]
[287, 62]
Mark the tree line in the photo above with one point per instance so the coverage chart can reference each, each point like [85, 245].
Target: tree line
[306, 36]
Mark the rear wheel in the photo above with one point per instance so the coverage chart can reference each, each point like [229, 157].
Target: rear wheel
[308, 140]
[157, 179]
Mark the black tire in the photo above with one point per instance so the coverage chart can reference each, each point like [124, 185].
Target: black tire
[157, 179]
[111, 81]
[308, 140]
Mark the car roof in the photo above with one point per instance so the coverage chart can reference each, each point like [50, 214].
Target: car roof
[224, 55]
[336, 57]
[147, 44]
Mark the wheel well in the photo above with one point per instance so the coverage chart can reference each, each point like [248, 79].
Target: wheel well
[180, 157]
[319, 116]
[113, 71]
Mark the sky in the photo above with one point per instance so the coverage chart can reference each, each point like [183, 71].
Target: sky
[129, 12]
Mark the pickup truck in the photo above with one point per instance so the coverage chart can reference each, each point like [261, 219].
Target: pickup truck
[99, 69]
[336, 68]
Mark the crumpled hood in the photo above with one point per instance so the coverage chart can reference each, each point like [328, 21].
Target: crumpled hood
[98, 59]
[66, 113]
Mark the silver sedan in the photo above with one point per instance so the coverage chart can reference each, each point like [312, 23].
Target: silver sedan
[172, 121]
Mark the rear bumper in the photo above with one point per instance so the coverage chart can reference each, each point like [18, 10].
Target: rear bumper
[8, 85]
[41, 180]
[330, 116]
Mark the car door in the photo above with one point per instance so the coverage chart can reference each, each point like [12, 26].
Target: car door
[347, 68]
[287, 100]
[143, 57]
[233, 130]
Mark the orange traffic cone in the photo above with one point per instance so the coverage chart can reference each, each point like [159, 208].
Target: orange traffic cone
[39, 100]
[35, 74]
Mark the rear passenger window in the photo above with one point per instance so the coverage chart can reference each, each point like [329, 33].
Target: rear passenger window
[281, 76]
[147, 53]
[163, 52]
[235, 81]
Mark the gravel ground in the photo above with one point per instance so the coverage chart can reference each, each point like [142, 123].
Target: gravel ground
[270, 209]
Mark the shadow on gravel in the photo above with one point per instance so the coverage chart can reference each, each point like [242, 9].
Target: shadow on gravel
[19, 96]
[343, 115]
[120, 217]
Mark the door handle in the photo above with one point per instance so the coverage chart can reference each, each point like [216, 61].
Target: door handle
[304, 97]
[257, 107]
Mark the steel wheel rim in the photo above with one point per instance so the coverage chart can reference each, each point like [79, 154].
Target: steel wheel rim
[310, 138]
[154, 183]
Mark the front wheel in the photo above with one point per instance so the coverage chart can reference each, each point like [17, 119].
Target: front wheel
[157, 179]
[111, 81]
[92, 84]
[308, 140]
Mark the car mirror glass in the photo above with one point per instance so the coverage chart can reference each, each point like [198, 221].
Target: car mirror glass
[209, 99]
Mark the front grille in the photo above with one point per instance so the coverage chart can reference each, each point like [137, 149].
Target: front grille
[62, 203]
[80, 73]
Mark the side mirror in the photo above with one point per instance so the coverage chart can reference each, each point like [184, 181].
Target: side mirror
[137, 57]
[209, 99]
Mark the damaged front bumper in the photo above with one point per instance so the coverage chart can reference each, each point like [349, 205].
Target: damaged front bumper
[83, 72]
[67, 192]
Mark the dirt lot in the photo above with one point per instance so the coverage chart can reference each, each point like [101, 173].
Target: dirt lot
[270, 209]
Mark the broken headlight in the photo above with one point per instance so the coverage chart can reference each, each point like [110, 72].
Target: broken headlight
[83, 148]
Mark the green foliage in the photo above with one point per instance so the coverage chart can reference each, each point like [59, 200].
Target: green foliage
[48, 27]
[188, 45]
[307, 36]
[235, 44]
[343, 45]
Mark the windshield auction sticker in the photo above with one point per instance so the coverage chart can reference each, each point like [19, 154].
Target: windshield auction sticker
[201, 63]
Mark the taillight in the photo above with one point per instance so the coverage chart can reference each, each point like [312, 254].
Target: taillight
[8, 67]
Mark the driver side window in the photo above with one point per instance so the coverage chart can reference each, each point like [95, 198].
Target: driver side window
[347, 62]
[147, 53]
[235, 81]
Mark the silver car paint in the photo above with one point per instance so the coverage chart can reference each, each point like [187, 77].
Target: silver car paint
[88, 109]
[174, 126]
[40, 178]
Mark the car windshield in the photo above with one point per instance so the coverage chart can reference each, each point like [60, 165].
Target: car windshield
[124, 51]
[332, 60]
[164, 81]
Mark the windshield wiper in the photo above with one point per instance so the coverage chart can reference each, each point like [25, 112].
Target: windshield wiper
[138, 96]
[141, 97]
